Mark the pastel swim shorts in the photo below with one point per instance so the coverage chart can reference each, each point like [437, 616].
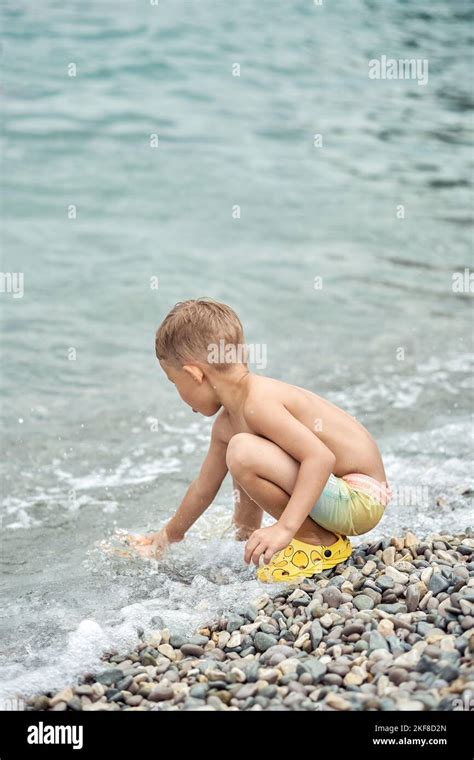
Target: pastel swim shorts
[351, 505]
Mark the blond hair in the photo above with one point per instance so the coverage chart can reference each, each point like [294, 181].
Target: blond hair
[192, 327]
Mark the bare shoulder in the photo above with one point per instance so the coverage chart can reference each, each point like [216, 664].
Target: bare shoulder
[221, 428]
[265, 391]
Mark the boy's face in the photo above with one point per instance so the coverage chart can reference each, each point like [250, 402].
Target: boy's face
[194, 388]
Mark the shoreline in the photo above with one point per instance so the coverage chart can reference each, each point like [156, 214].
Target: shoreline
[392, 628]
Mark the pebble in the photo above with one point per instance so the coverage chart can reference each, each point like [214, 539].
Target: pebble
[198, 639]
[168, 651]
[377, 641]
[326, 620]
[234, 622]
[235, 640]
[412, 598]
[396, 575]
[64, 696]
[176, 640]
[264, 641]
[369, 568]
[385, 627]
[316, 634]
[393, 609]
[363, 602]
[353, 628]
[222, 639]
[411, 540]
[385, 582]
[332, 596]
[337, 702]
[388, 555]
[315, 669]
[437, 584]
[109, 677]
[190, 650]
[161, 693]
[353, 679]
[248, 690]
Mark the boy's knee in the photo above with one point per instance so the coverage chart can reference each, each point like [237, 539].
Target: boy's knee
[237, 455]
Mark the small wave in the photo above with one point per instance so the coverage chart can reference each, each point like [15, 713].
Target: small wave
[127, 472]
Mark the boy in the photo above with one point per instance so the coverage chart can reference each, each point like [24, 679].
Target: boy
[291, 453]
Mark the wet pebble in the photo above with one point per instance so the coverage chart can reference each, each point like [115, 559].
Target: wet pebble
[392, 628]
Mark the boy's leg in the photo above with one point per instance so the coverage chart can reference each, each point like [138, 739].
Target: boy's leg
[247, 513]
[268, 474]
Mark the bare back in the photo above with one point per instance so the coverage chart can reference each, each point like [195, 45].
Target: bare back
[352, 445]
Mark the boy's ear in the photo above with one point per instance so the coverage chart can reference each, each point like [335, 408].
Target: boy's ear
[195, 372]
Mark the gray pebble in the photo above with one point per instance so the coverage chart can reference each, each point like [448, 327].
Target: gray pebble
[385, 582]
[199, 691]
[234, 622]
[251, 612]
[449, 673]
[177, 641]
[248, 690]
[315, 668]
[271, 629]
[109, 677]
[412, 598]
[377, 641]
[353, 628]
[398, 675]
[264, 641]
[438, 583]
[332, 596]
[268, 691]
[363, 602]
[316, 633]
[192, 650]
[198, 639]
[393, 609]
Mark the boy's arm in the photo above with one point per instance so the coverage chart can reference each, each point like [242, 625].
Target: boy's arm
[270, 418]
[203, 489]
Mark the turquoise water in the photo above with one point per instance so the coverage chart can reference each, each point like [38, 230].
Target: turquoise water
[101, 442]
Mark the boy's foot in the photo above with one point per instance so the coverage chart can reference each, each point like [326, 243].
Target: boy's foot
[302, 560]
[243, 534]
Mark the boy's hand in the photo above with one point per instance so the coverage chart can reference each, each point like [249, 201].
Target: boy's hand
[266, 541]
[152, 545]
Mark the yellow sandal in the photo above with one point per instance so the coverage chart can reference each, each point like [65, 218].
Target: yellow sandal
[301, 560]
